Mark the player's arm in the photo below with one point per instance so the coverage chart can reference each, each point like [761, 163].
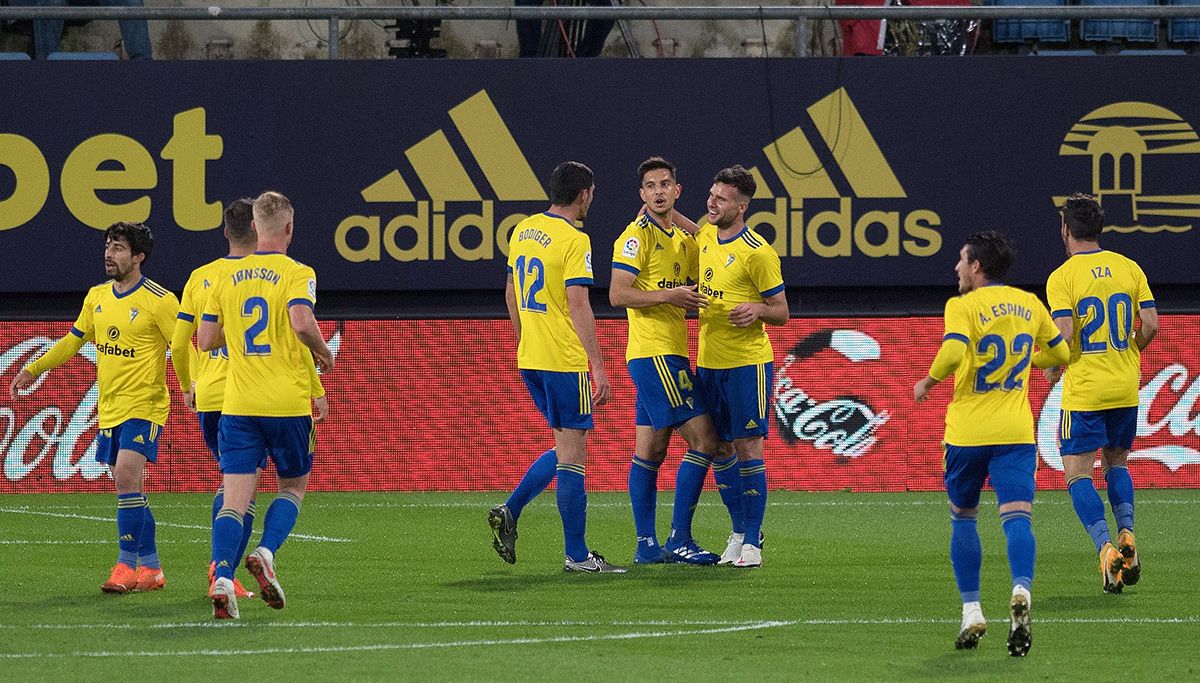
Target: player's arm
[585, 326]
[60, 353]
[166, 320]
[773, 310]
[1148, 329]
[689, 226]
[510, 301]
[304, 323]
[765, 273]
[317, 391]
[621, 292]
[211, 334]
[951, 353]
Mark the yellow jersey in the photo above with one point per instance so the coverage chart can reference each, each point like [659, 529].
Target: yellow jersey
[268, 373]
[660, 258]
[1102, 291]
[131, 332]
[999, 326]
[547, 254]
[741, 269]
[210, 367]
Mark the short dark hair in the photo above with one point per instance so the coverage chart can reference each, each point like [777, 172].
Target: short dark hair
[568, 180]
[654, 164]
[739, 178]
[994, 252]
[238, 216]
[139, 237]
[1083, 216]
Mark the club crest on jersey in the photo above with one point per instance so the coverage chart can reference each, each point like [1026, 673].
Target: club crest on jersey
[133, 313]
[630, 250]
[729, 260]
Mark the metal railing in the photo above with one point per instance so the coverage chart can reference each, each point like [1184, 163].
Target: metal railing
[335, 15]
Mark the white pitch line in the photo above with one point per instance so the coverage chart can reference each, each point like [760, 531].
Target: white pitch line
[405, 646]
[16, 541]
[27, 511]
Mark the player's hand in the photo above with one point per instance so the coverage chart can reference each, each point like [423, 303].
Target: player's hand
[1053, 374]
[686, 298]
[189, 399]
[744, 314]
[642, 211]
[921, 389]
[601, 389]
[19, 383]
[322, 405]
[324, 360]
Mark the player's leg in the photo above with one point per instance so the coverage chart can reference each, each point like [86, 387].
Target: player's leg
[291, 443]
[1012, 470]
[650, 449]
[142, 437]
[128, 467]
[747, 394]
[1121, 427]
[241, 442]
[702, 442]
[1080, 434]
[965, 468]
[711, 384]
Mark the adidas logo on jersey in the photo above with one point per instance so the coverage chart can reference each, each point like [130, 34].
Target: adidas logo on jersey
[432, 229]
[822, 213]
[98, 309]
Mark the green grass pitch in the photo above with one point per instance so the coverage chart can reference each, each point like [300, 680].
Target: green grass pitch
[407, 587]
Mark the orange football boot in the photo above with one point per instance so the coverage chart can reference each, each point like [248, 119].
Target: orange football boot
[122, 580]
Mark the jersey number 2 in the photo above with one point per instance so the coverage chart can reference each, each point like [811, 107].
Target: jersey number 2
[252, 306]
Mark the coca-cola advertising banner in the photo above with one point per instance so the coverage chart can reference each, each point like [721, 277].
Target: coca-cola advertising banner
[438, 405]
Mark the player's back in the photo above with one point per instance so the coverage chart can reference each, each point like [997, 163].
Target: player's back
[268, 365]
[661, 257]
[546, 255]
[1102, 291]
[211, 366]
[1000, 326]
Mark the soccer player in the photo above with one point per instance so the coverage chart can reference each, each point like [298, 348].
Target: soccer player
[654, 277]
[264, 309]
[1094, 298]
[990, 334]
[206, 394]
[741, 278]
[130, 319]
[549, 272]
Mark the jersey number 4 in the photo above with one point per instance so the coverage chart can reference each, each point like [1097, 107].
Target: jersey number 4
[1022, 346]
[256, 306]
[533, 273]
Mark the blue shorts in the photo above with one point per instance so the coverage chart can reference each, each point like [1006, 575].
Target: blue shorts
[1012, 468]
[210, 423]
[564, 398]
[667, 395]
[245, 443]
[1083, 431]
[140, 436]
[737, 399]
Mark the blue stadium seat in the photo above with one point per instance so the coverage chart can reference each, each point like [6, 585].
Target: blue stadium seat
[1183, 30]
[13, 56]
[82, 55]
[1022, 30]
[1107, 30]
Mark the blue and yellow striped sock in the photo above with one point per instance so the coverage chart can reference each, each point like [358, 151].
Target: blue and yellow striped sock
[1120, 495]
[572, 507]
[689, 481]
[247, 529]
[729, 485]
[643, 496]
[227, 530]
[131, 516]
[966, 555]
[1022, 547]
[279, 521]
[1090, 509]
[753, 474]
[147, 548]
[536, 479]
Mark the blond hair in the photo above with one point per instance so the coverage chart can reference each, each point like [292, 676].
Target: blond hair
[272, 211]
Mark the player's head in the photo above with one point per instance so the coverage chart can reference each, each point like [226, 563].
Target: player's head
[730, 195]
[658, 189]
[984, 258]
[1082, 218]
[572, 184]
[126, 248]
[273, 217]
[239, 223]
